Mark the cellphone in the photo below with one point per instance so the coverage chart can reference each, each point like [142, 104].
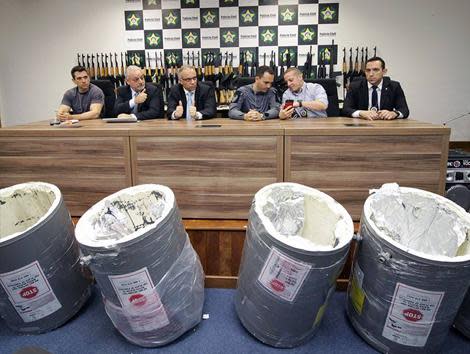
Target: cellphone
[288, 104]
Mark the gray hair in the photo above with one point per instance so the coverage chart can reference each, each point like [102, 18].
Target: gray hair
[132, 68]
[185, 67]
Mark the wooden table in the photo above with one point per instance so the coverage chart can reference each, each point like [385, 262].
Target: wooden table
[216, 166]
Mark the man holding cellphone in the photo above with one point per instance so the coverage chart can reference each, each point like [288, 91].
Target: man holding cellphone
[302, 99]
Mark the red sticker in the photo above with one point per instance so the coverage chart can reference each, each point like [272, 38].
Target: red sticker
[277, 285]
[412, 315]
[29, 292]
[137, 299]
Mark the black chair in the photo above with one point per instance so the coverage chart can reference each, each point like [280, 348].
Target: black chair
[109, 97]
[332, 92]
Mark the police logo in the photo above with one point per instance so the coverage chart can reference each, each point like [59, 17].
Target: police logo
[153, 40]
[328, 13]
[134, 20]
[248, 16]
[191, 38]
[209, 18]
[288, 15]
[229, 37]
[268, 36]
[171, 18]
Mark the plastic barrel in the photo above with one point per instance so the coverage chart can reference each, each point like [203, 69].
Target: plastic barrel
[150, 277]
[296, 244]
[42, 285]
[462, 321]
[411, 272]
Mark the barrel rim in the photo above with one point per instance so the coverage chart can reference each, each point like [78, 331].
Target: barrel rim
[83, 228]
[420, 255]
[20, 234]
[336, 207]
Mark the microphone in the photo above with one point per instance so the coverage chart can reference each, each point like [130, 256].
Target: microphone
[455, 118]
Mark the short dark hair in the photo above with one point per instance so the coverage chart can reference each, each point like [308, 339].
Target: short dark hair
[377, 59]
[77, 69]
[264, 69]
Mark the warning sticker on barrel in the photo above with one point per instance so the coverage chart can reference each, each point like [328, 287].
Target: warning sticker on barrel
[356, 293]
[30, 292]
[140, 300]
[283, 276]
[411, 315]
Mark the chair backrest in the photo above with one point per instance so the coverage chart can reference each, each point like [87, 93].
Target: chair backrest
[109, 97]
[332, 92]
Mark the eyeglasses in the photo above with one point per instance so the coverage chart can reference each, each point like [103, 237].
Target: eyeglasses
[189, 79]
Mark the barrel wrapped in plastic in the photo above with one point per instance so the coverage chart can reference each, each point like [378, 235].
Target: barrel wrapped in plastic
[41, 278]
[462, 321]
[295, 247]
[412, 270]
[150, 277]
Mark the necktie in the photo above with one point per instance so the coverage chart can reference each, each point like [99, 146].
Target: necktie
[189, 103]
[134, 110]
[375, 100]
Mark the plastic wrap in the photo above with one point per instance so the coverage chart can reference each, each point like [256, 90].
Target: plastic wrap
[462, 321]
[403, 299]
[150, 277]
[41, 278]
[287, 271]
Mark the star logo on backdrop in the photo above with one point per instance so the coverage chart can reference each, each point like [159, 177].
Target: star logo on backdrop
[191, 38]
[325, 54]
[229, 37]
[248, 16]
[171, 58]
[190, 2]
[152, 2]
[307, 34]
[268, 36]
[171, 19]
[209, 17]
[328, 14]
[287, 15]
[153, 39]
[133, 21]
[249, 56]
[135, 59]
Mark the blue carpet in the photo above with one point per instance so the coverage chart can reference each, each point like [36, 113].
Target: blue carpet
[92, 332]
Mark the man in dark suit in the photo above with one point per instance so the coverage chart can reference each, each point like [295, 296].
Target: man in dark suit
[190, 99]
[138, 99]
[376, 97]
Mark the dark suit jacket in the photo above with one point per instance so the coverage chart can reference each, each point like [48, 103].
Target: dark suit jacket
[391, 97]
[204, 100]
[151, 108]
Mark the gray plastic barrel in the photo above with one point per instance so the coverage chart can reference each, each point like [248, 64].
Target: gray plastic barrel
[411, 272]
[462, 321]
[42, 285]
[295, 247]
[150, 277]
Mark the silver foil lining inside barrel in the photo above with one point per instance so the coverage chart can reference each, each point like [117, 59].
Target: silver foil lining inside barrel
[150, 277]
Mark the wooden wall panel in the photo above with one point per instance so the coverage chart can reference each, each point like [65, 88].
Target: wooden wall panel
[212, 176]
[85, 169]
[346, 167]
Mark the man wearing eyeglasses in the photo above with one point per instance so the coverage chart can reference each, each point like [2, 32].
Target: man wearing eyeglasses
[138, 99]
[190, 99]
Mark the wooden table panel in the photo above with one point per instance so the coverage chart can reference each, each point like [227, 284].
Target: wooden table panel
[347, 167]
[211, 176]
[85, 169]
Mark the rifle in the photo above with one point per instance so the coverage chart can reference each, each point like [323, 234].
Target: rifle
[102, 66]
[78, 60]
[375, 51]
[106, 70]
[363, 63]
[241, 63]
[83, 60]
[116, 67]
[356, 63]
[332, 58]
[288, 59]
[264, 58]
[88, 63]
[245, 65]
[345, 68]
[111, 69]
[231, 63]
[92, 68]
[199, 69]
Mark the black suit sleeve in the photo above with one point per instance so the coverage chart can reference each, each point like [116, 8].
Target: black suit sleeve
[400, 102]
[153, 105]
[173, 100]
[122, 102]
[208, 107]
[351, 102]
